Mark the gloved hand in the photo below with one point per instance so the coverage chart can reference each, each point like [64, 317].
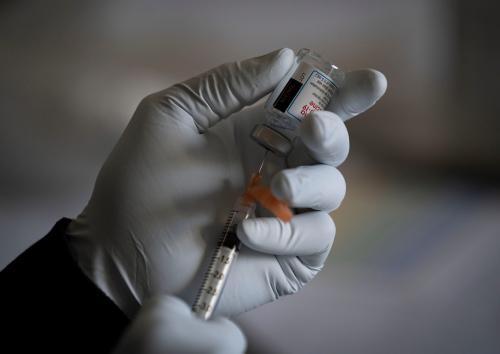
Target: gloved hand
[166, 325]
[162, 196]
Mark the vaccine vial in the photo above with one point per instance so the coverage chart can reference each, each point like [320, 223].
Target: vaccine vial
[308, 86]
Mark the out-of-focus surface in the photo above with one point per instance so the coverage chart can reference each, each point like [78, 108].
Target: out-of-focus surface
[416, 259]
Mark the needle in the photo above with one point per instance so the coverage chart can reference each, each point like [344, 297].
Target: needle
[259, 171]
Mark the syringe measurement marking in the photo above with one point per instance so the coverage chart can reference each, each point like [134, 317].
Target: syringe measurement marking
[217, 273]
[220, 264]
[215, 256]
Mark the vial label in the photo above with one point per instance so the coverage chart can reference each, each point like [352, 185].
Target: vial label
[306, 91]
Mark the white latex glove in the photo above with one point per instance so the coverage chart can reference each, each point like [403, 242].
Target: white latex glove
[166, 325]
[162, 196]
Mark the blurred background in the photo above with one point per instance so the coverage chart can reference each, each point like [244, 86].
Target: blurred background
[416, 261]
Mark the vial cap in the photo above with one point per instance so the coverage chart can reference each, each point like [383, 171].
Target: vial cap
[272, 140]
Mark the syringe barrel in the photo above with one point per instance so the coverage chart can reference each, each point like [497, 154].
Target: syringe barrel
[214, 281]
[220, 265]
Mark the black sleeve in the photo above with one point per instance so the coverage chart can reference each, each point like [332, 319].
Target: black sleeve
[49, 306]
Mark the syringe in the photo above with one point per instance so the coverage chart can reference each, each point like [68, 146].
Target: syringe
[223, 257]
[309, 85]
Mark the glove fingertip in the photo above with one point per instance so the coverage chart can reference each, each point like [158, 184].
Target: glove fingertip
[285, 55]
[253, 233]
[326, 137]
[282, 187]
[377, 83]
[168, 304]
[317, 132]
[244, 231]
[364, 88]
[234, 339]
[274, 65]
